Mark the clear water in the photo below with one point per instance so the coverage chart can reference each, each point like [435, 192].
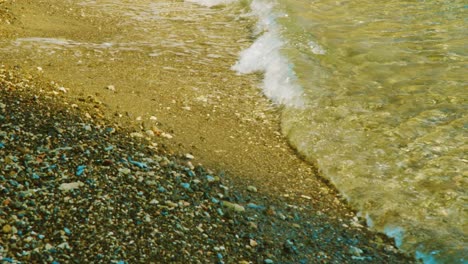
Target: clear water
[376, 96]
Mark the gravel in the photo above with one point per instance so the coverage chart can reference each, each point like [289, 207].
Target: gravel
[75, 188]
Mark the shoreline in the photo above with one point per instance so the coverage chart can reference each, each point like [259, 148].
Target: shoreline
[84, 168]
[257, 137]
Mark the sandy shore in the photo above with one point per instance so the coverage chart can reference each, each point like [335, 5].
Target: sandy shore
[203, 110]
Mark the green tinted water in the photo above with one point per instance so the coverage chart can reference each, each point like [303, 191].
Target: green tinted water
[386, 113]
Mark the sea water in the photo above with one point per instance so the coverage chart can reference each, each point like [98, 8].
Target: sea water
[375, 95]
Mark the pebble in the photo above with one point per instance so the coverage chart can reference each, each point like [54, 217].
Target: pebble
[150, 133]
[252, 188]
[110, 88]
[233, 206]
[166, 135]
[6, 229]
[137, 135]
[70, 186]
[99, 195]
[355, 251]
[253, 243]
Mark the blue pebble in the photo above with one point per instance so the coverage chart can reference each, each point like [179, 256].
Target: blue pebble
[14, 183]
[109, 148]
[161, 189]
[35, 176]
[220, 212]
[67, 231]
[80, 170]
[254, 206]
[122, 262]
[210, 178]
[220, 256]
[90, 181]
[2, 145]
[55, 262]
[9, 260]
[214, 200]
[41, 236]
[185, 185]
[140, 165]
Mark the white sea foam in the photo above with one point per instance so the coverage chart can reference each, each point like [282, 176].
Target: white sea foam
[265, 56]
[210, 3]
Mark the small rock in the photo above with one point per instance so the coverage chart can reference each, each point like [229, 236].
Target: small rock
[233, 206]
[125, 170]
[253, 225]
[355, 251]
[67, 231]
[136, 135]
[166, 135]
[62, 89]
[111, 88]
[268, 261]
[6, 229]
[251, 188]
[189, 156]
[149, 133]
[253, 243]
[171, 204]
[210, 178]
[289, 247]
[70, 186]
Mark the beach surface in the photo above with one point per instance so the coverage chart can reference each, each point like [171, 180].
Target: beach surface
[233, 191]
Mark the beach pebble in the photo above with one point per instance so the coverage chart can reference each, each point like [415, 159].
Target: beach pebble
[166, 135]
[137, 135]
[251, 188]
[62, 89]
[150, 133]
[355, 251]
[70, 186]
[233, 206]
[253, 243]
[110, 88]
[6, 229]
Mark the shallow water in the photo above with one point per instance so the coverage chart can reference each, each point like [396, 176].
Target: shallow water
[376, 98]
[385, 112]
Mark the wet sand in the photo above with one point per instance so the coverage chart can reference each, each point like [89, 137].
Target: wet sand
[218, 117]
